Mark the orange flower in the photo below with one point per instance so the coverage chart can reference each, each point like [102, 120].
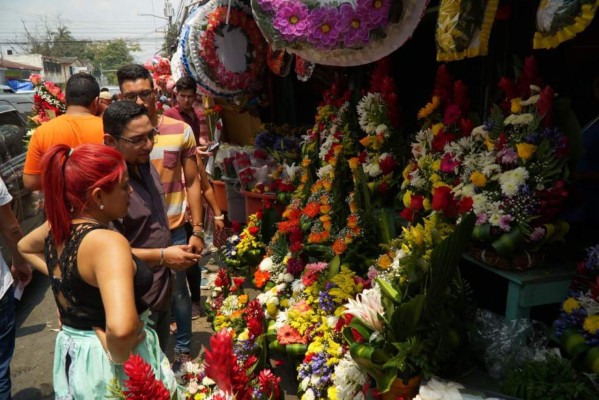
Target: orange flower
[365, 141]
[339, 246]
[325, 199]
[384, 261]
[261, 277]
[352, 221]
[242, 299]
[337, 149]
[354, 162]
[311, 209]
[306, 162]
[327, 184]
[324, 218]
[288, 335]
[325, 209]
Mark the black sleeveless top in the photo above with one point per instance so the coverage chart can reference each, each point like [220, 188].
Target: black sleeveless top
[79, 303]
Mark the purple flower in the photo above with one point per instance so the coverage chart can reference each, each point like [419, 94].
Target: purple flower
[504, 222]
[291, 19]
[353, 25]
[324, 31]
[508, 155]
[377, 12]
[267, 5]
[295, 266]
[482, 218]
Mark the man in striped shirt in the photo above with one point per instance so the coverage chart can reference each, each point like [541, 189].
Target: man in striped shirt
[174, 157]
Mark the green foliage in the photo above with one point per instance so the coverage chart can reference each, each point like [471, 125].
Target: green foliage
[110, 56]
[115, 390]
[553, 378]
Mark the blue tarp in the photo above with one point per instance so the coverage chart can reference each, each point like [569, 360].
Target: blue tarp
[19, 86]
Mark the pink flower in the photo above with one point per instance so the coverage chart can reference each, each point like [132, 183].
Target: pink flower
[448, 164]
[267, 5]
[354, 25]
[376, 10]
[291, 20]
[504, 222]
[288, 335]
[36, 79]
[324, 32]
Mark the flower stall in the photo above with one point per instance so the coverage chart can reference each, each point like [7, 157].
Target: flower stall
[348, 261]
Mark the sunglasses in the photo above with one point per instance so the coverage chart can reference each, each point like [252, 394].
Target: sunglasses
[144, 95]
[141, 139]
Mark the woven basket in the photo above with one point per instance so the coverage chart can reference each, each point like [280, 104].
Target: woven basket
[521, 261]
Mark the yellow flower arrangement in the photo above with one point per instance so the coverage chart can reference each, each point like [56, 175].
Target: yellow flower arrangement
[526, 150]
[570, 305]
[591, 324]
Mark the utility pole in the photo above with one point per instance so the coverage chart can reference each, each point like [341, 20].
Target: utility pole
[169, 12]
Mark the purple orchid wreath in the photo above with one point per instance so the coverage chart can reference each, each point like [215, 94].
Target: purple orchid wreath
[324, 24]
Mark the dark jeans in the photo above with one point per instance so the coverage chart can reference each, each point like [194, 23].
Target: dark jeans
[162, 321]
[7, 341]
[193, 280]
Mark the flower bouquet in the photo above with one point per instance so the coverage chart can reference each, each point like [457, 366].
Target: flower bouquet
[48, 101]
[225, 287]
[407, 324]
[578, 324]
[227, 372]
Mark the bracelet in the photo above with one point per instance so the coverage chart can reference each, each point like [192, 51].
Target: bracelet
[161, 256]
[111, 360]
[201, 225]
[219, 217]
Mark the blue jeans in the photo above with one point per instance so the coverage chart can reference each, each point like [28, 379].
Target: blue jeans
[7, 341]
[181, 301]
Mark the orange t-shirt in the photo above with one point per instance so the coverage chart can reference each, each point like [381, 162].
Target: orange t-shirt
[72, 130]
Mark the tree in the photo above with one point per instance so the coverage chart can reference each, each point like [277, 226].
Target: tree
[58, 42]
[107, 57]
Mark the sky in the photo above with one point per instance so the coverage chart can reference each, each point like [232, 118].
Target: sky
[87, 19]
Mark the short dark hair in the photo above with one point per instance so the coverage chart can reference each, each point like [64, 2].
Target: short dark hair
[118, 115]
[81, 90]
[104, 89]
[133, 72]
[186, 83]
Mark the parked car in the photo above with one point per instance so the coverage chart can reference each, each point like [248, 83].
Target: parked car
[23, 102]
[27, 206]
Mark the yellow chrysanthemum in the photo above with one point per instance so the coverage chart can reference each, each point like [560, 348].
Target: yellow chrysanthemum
[526, 150]
[436, 165]
[591, 324]
[478, 179]
[332, 392]
[490, 144]
[407, 198]
[516, 107]
[436, 128]
[570, 305]
[434, 178]
[426, 203]
[384, 261]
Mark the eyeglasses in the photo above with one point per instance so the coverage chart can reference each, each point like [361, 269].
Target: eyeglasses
[143, 95]
[141, 139]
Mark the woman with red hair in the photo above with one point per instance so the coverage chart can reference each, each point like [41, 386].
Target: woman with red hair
[97, 282]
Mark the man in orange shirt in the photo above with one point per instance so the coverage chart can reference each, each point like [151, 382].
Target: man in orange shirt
[77, 126]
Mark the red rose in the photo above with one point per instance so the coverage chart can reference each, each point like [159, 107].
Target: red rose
[407, 214]
[416, 203]
[387, 164]
[254, 230]
[465, 205]
[443, 201]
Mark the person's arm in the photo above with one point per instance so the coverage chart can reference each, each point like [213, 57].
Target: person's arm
[32, 182]
[112, 270]
[31, 247]
[11, 232]
[177, 257]
[194, 198]
[32, 179]
[209, 196]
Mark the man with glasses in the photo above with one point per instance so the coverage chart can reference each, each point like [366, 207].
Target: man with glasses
[130, 131]
[77, 126]
[174, 157]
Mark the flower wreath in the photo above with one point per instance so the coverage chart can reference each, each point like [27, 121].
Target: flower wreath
[254, 54]
[561, 20]
[340, 33]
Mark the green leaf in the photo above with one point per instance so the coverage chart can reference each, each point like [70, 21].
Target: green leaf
[407, 317]
[444, 263]
[388, 290]
[334, 266]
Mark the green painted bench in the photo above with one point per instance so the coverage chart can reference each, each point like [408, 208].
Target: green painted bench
[534, 287]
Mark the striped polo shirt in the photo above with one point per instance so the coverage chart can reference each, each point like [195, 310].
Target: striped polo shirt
[175, 142]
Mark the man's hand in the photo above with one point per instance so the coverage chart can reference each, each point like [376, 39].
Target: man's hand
[203, 151]
[219, 224]
[180, 257]
[21, 273]
[197, 244]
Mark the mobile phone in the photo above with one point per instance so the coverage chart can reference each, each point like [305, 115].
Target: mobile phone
[213, 147]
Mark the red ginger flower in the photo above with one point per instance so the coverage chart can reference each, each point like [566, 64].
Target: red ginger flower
[142, 383]
[269, 384]
[221, 366]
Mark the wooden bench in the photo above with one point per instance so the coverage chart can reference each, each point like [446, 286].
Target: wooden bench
[534, 287]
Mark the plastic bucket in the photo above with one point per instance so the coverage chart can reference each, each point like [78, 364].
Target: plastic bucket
[235, 200]
[221, 195]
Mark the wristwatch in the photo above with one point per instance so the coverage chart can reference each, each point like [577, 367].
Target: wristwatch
[199, 234]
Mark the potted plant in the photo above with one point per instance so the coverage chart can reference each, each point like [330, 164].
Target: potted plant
[403, 327]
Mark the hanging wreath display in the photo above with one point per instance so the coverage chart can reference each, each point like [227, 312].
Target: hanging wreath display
[222, 48]
[561, 20]
[340, 33]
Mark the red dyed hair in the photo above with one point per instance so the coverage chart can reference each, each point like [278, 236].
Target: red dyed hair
[68, 180]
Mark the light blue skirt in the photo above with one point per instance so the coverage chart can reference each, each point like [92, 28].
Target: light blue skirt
[89, 372]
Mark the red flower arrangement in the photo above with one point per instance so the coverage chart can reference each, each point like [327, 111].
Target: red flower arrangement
[48, 101]
[142, 383]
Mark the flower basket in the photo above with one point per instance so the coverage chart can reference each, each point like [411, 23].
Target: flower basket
[221, 195]
[399, 389]
[521, 261]
[343, 33]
